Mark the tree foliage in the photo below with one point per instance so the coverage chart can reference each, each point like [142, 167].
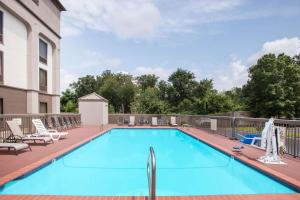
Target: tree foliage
[273, 89]
[183, 83]
[147, 80]
[149, 102]
[68, 101]
[84, 85]
[117, 88]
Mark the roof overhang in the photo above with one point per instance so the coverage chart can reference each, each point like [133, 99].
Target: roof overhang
[92, 97]
[58, 5]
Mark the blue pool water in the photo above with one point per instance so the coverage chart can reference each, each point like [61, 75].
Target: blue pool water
[115, 164]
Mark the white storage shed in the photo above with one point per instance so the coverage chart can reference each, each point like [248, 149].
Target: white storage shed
[93, 109]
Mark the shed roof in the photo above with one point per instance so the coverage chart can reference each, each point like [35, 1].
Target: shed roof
[92, 97]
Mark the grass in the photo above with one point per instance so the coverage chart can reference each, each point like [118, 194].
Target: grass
[291, 132]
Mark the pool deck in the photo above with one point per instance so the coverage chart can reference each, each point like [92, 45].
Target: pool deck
[12, 166]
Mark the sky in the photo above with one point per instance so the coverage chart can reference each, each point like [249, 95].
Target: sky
[215, 39]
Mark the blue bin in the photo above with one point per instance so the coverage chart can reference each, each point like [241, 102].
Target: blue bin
[248, 138]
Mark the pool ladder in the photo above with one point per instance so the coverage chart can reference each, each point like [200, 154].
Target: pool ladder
[151, 174]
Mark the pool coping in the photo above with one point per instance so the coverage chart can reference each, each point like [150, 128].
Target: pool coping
[291, 182]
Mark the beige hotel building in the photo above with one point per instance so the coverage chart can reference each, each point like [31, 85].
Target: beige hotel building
[30, 56]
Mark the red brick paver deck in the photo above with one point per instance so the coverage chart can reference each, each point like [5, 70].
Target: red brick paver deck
[12, 166]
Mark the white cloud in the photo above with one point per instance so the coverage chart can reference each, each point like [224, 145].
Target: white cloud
[289, 46]
[233, 75]
[187, 16]
[210, 6]
[126, 19]
[99, 59]
[147, 19]
[162, 72]
[66, 78]
[123, 72]
[68, 30]
[91, 62]
[236, 74]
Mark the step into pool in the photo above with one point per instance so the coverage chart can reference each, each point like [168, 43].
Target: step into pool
[114, 164]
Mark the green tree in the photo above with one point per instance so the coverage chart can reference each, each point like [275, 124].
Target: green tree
[180, 94]
[163, 88]
[118, 89]
[66, 97]
[70, 106]
[183, 83]
[273, 87]
[147, 80]
[109, 89]
[297, 59]
[186, 106]
[236, 94]
[221, 103]
[148, 102]
[84, 85]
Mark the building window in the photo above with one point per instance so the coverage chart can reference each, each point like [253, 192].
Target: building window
[43, 107]
[43, 51]
[1, 67]
[43, 80]
[1, 26]
[1, 106]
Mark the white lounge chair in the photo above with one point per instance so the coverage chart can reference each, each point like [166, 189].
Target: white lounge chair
[131, 121]
[173, 121]
[17, 134]
[42, 131]
[154, 121]
[15, 146]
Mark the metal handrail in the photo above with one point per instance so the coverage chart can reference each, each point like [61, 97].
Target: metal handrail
[151, 174]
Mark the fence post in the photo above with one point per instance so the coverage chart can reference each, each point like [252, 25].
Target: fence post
[233, 128]
[295, 139]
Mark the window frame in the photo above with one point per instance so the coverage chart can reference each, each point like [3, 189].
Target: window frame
[41, 58]
[43, 103]
[1, 106]
[1, 26]
[42, 87]
[1, 68]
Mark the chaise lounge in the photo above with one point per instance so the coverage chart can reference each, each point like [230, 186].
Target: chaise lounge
[173, 121]
[15, 146]
[131, 121]
[42, 131]
[154, 121]
[17, 134]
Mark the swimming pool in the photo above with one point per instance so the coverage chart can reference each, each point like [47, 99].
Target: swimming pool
[114, 164]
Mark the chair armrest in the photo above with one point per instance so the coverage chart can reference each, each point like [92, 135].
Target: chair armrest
[249, 138]
[52, 130]
[257, 138]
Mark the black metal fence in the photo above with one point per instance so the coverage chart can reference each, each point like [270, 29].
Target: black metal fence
[225, 125]
[59, 122]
